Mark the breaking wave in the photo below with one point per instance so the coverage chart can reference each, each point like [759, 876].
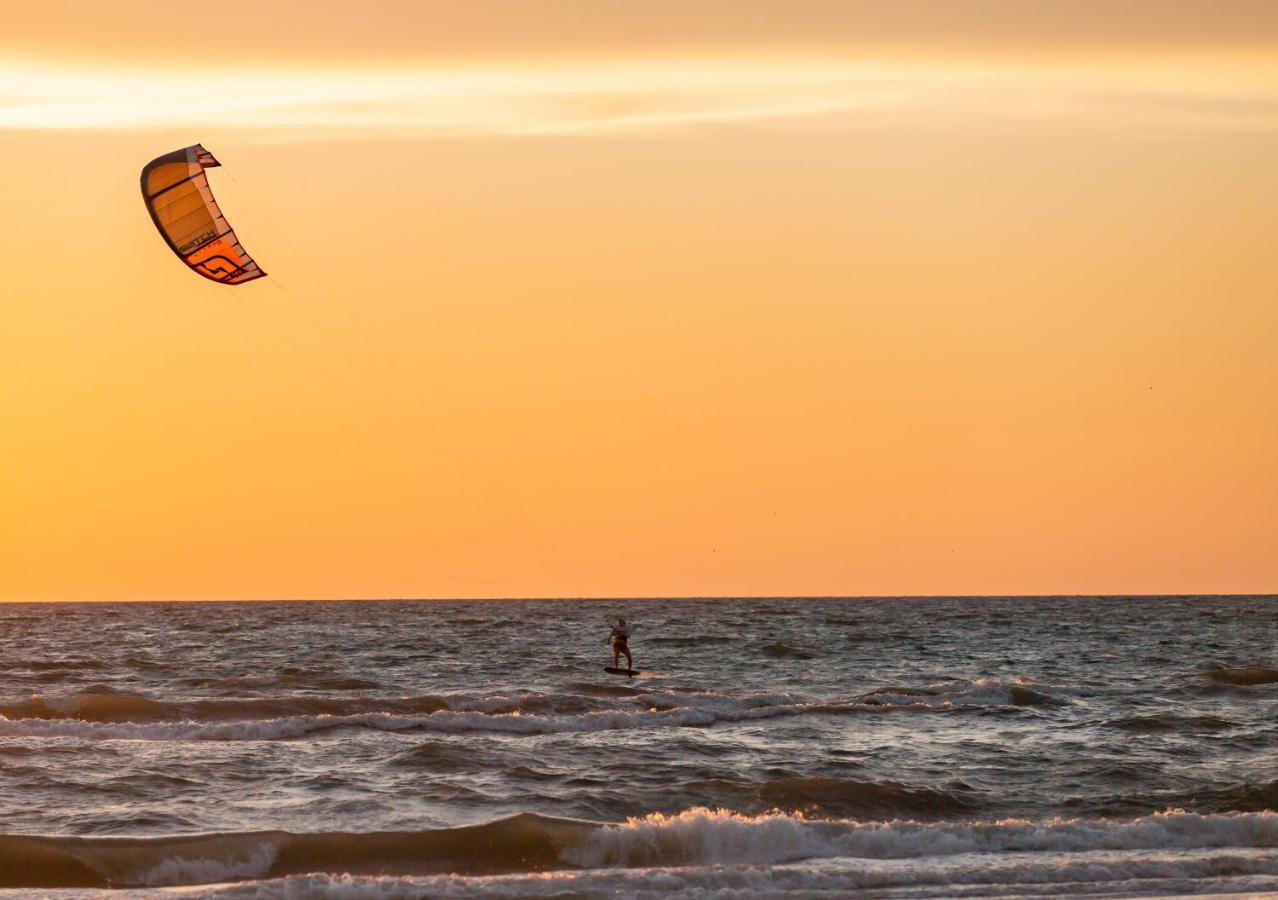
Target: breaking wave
[1227, 845]
[702, 836]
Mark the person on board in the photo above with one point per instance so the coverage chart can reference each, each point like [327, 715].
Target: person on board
[619, 638]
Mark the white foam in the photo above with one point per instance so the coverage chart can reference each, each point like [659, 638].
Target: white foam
[979, 876]
[178, 870]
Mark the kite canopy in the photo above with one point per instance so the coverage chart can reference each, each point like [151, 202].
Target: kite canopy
[182, 207]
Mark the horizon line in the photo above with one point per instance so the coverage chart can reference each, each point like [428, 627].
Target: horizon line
[645, 597]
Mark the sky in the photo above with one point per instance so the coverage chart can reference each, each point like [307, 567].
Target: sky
[673, 298]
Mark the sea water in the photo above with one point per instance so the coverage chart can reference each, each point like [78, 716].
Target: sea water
[888, 747]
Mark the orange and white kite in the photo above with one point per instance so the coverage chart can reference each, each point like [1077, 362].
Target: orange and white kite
[177, 195]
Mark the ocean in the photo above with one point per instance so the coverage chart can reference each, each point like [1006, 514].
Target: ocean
[880, 747]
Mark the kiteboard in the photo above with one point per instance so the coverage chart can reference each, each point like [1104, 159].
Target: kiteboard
[611, 671]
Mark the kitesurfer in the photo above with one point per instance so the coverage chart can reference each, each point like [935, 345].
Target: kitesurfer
[619, 638]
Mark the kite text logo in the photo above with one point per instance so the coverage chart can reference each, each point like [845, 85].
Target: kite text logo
[197, 242]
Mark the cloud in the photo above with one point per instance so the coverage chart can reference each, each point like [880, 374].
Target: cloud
[654, 97]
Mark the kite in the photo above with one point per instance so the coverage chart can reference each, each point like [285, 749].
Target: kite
[177, 196]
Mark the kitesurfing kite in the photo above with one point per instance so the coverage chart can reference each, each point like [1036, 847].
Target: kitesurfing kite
[177, 196]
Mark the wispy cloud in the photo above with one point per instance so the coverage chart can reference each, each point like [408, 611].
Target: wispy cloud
[637, 98]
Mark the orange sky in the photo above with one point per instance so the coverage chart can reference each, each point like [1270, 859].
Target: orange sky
[672, 298]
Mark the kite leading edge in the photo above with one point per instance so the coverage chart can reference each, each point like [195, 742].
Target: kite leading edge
[177, 196]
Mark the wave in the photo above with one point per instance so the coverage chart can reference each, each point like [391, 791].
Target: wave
[1116, 875]
[721, 703]
[702, 836]
[529, 843]
[290, 677]
[106, 715]
[984, 692]
[1243, 676]
[1233, 798]
[782, 650]
[834, 797]
[1125, 878]
[861, 798]
[443, 722]
[695, 640]
[82, 664]
[598, 689]
[521, 843]
[103, 704]
[148, 664]
[1170, 722]
[121, 707]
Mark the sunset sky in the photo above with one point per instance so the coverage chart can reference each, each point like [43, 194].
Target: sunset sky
[675, 297]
